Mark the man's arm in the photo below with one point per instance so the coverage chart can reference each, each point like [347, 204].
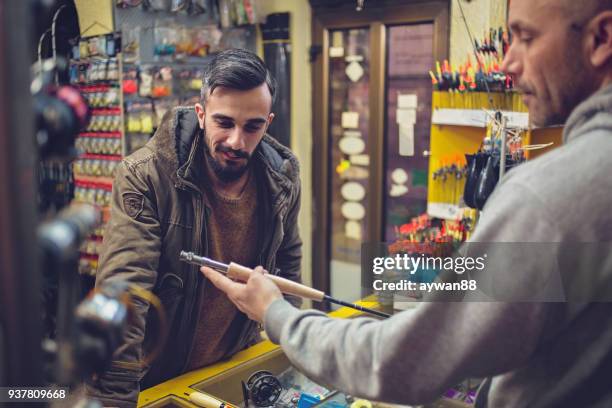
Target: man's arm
[413, 357]
[130, 253]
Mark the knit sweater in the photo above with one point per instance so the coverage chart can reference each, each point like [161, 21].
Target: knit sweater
[232, 226]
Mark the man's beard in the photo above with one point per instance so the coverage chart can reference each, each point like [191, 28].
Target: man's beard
[225, 173]
[575, 84]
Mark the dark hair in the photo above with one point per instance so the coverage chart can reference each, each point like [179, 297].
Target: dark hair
[236, 69]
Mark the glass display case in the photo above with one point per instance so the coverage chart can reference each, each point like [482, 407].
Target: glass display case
[372, 117]
[349, 74]
[408, 120]
[264, 376]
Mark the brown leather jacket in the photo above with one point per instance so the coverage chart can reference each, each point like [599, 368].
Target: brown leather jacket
[157, 211]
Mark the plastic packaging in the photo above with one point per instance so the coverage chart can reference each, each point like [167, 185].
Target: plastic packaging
[130, 43]
[165, 35]
[225, 13]
[179, 5]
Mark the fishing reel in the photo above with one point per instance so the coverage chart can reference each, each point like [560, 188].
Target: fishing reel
[263, 388]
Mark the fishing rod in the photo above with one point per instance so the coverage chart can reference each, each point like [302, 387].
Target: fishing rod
[242, 273]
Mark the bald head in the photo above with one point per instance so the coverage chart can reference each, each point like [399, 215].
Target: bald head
[560, 55]
[582, 8]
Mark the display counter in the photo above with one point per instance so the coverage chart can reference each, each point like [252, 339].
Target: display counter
[223, 380]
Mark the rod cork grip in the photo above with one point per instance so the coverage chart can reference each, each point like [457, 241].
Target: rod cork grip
[204, 400]
[242, 273]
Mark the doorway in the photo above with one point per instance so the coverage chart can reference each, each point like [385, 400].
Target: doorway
[371, 124]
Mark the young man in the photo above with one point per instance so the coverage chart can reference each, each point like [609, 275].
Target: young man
[209, 181]
[538, 354]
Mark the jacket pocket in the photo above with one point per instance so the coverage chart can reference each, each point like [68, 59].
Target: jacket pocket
[171, 295]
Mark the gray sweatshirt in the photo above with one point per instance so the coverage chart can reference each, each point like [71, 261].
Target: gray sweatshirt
[539, 354]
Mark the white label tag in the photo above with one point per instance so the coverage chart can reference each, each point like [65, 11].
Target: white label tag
[360, 159]
[336, 52]
[408, 101]
[406, 140]
[352, 229]
[406, 117]
[350, 120]
[354, 71]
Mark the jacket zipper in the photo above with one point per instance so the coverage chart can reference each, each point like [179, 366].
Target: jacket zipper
[192, 290]
[197, 306]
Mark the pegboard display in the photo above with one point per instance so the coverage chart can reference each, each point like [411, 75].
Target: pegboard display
[95, 69]
[145, 22]
[163, 55]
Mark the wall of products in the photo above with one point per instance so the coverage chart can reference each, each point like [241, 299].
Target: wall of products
[152, 62]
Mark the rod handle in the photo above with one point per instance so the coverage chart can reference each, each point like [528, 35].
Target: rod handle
[204, 400]
[242, 273]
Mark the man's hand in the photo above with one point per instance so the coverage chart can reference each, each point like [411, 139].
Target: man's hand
[252, 298]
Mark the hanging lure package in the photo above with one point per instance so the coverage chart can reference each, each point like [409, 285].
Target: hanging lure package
[112, 70]
[180, 6]
[105, 120]
[162, 82]
[235, 38]
[97, 46]
[93, 165]
[93, 193]
[128, 3]
[101, 96]
[139, 117]
[145, 86]
[240, 12]
[140, 124]
[95, 71]
[165, 35]
[199, 7]
[448, 180]
[183, 43]
[250, 8]
[112, 45]
[99, 143]
[225, 13]
[130, 43]
[484, 167]
[130, 80]
[205, 40]
[157, 5]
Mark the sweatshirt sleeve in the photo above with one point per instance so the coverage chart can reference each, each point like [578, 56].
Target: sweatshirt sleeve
[413, 357]
[416, 355]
